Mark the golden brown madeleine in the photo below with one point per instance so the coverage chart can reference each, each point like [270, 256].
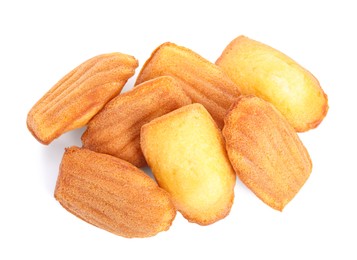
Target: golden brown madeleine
[203, 81]
[185, 150]
[265, 151]
[77, 97]
[115, 130]
[269, 74]
[112, 194]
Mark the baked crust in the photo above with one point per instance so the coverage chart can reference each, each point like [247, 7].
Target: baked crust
[115, 130]
[112, 194]
[185, 150]
[79, 95]
[265, 151]
[203, 81]
[263, 71]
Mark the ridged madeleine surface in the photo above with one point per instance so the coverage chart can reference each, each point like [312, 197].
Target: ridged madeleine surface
[203, 81]
[262, 71]
[78, 96]
[265, 151]
[186, 153]
[115, 130]
[112, 194]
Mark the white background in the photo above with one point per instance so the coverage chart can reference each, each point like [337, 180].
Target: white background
[42, 40]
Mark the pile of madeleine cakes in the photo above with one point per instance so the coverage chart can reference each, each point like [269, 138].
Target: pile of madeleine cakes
[196, 124]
